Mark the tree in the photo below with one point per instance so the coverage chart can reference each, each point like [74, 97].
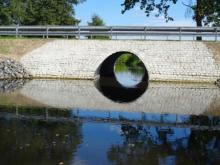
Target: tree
[5, 16]
[96, 21]
[205, 12]
[212, 14]
[41, 12]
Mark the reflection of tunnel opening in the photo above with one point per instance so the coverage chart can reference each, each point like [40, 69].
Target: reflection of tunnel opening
[109, 86]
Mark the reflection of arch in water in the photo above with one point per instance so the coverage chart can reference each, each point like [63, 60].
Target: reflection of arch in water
[106, 81]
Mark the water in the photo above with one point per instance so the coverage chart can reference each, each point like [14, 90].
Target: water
[129, 70]
[56, 136]
[129, 77]
[80, 122]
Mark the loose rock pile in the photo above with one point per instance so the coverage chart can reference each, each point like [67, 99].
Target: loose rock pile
[11, 69]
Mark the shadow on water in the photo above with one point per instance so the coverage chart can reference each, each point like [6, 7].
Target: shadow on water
[120, 80]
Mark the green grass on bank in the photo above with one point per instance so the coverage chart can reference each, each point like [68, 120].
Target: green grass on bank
[15, 48]
[4, 50]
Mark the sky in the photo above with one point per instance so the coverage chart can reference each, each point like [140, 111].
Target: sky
[110, 12]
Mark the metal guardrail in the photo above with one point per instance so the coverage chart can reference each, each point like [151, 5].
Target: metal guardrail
[114, 32]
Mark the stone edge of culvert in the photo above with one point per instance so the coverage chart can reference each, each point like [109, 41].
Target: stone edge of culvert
[217, 83]
[12, 69]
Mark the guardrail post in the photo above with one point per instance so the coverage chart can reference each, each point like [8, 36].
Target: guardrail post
[180, 33]
[111, 33]
[216, 34]
[79, 32]
[16, 29]
[145, 33]
[47, 31]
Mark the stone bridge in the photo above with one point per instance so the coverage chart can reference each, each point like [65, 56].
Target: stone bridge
[164, 60]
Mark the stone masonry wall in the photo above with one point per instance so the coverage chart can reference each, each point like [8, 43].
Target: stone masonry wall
[164, 60]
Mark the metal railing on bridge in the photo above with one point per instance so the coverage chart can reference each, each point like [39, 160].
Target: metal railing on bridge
[115, 32]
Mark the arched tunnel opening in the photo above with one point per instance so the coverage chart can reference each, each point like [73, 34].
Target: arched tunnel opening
[122, 77]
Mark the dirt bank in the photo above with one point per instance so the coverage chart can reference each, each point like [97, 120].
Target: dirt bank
[15, 48]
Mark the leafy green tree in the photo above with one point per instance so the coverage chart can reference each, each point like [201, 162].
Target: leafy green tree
[212, 13]
[40, 12]
[96, 21]
[5, 16]
[205, 12]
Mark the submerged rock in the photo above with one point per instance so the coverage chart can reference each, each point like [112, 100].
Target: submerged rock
[11, 69]
[11, 85]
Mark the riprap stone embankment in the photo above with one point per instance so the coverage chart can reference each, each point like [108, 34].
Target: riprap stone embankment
[11, 69]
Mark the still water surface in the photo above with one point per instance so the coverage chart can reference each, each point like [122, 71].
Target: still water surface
[129, 76]
[72, 122]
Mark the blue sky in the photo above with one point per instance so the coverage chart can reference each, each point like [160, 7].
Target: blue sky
[110, 12]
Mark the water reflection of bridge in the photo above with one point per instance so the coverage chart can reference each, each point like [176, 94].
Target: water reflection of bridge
[170, 98]
[140, 118]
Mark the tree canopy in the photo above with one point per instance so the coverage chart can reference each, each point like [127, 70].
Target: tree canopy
[38, 12]
[96, 21]
[205, 12]
[212, 12]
